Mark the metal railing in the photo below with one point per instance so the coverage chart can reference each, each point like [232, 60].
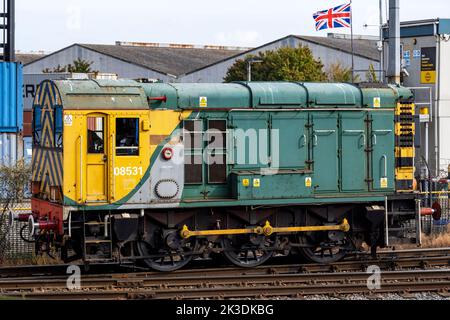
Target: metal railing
[12, 247]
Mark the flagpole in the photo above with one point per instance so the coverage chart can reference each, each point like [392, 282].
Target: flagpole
[351, 37]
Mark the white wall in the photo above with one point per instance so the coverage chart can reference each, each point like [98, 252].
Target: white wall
[444, 105]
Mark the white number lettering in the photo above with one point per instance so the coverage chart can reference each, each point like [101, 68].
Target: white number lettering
[128, 171]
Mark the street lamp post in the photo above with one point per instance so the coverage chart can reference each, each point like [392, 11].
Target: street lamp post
[249, 67]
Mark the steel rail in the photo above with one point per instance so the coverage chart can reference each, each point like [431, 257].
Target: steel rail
[388, 260]
[323, 284]
[208, 280]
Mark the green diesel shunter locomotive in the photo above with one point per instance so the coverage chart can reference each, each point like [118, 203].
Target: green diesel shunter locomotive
[166, 173]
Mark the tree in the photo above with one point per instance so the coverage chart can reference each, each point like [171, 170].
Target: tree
[284, 64]
[13, 182]
[371, 74]
[78, 66]
[339, 73]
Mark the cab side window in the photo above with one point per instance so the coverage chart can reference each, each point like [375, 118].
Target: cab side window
[37, 128]
[96, 142]
[127, 137]
[58, 118]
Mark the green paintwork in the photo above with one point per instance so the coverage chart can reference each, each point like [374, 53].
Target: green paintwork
[287, 184]
[187, 95]
[332, 199]
[388, 98]
[293, 132]
[276, 94]
[333, 94]
[334, 135]
[353, 145]
[382, 142]
[324, 147]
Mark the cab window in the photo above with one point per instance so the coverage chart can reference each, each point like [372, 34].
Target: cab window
[127, 137]
[58, 126]
[37, 129]
[96, 135]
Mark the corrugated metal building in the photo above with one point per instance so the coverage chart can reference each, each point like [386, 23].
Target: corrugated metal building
[136, 60]
[332, 49]
[189, 63]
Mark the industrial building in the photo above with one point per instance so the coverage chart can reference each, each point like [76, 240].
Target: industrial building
[335, 48]
[165, 62]
[425, 52]
[202, 64]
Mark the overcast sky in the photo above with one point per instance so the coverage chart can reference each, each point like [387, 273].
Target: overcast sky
[53, 24]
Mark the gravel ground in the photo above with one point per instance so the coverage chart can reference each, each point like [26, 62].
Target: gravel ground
[349, 297]
[415, 296]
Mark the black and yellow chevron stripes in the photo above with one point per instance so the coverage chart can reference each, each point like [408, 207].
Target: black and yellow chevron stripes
[404, 146]
[47, 158]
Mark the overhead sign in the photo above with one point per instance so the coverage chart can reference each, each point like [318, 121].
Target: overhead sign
[428, 66]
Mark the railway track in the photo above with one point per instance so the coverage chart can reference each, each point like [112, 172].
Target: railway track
[403, 272]
[391, 259]
[251, 286]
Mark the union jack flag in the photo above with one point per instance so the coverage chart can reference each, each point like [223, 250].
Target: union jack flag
[338, 17]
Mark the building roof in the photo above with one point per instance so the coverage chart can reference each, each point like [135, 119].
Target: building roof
[166, 60]
[421, 28]
[178, 60]
[362, 47]
[26, 58]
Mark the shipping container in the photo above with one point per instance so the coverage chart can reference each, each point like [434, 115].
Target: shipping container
[11, 97]
[11, 148]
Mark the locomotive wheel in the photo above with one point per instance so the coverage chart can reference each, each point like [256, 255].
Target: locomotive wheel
[247, 251]
[166, 259]
[323, 255]
[321, 252]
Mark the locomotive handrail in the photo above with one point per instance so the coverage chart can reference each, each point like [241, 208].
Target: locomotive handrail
[81, 168]
[364, 139]
[353, 131]
[304, 138]
[325, 131]
[385, 165]
[316, 140]
[113, 163]
[381, 132]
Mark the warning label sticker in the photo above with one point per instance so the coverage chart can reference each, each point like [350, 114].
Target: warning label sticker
[308, 182]
[377, 102]
[68, 120]
[384, 183]
[203, 102]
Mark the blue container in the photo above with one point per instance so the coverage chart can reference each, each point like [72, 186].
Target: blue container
[11, 97]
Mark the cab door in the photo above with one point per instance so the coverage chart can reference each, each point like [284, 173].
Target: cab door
[96, 159]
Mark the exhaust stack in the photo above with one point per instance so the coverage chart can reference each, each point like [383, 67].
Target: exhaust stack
[394, 42]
